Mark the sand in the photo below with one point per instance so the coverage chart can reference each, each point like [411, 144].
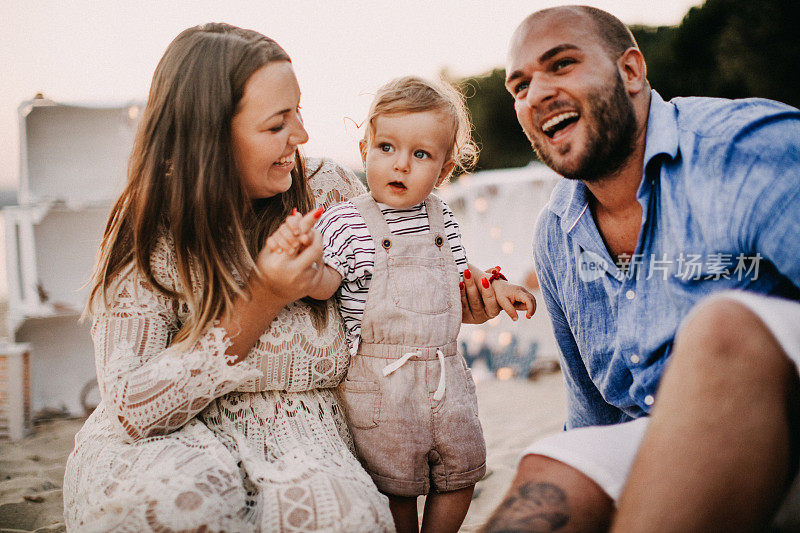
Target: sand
[513, 414]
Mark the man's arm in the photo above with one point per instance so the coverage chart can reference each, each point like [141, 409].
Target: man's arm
[767, 210]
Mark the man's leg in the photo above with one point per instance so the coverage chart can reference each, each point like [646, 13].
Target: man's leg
[717, 454]
[547, 495]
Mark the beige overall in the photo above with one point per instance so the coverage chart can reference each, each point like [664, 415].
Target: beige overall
[409, 397]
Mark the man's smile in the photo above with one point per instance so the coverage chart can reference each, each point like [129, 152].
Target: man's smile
[558, 122]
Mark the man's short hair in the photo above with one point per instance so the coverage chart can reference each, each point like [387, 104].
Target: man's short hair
[615, 34]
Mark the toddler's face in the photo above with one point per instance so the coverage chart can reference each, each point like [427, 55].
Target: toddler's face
[407, 156]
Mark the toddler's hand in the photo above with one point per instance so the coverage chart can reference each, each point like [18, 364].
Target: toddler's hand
[295, 233]
[513, 298]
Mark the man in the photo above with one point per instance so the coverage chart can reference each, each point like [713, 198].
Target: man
[665, 204]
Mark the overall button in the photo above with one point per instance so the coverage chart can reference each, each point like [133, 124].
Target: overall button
[630, 295]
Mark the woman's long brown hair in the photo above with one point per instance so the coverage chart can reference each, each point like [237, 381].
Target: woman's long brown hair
[183, 183]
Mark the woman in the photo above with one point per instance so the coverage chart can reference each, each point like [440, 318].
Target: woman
[218, 412]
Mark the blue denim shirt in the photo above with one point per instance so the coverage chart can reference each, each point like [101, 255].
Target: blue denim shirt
[720, 197]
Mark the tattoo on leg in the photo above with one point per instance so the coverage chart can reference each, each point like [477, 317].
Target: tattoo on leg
[533, 507]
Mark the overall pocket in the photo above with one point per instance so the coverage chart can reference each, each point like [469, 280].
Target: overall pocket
[361, 401]
[418, 284]
[472, 396]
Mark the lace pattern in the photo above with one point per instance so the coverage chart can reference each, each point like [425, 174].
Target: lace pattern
[183, 440]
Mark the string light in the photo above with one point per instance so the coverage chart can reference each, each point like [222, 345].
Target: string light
[505, 373]
[504, 339]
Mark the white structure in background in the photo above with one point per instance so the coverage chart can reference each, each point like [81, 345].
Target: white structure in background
[73, 164]
[497, 211]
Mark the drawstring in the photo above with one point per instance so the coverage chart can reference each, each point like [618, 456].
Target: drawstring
[391, 367]
[440, 389]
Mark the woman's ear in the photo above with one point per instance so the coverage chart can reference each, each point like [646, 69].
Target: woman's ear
[362, 147]
[447, 169]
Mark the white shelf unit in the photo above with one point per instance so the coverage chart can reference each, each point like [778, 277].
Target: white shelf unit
[15, 394]
[74, 153]
[73, 165]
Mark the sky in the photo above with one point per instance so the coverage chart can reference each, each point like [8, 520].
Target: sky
[93, 51]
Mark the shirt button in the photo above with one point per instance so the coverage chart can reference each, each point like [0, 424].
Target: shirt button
[630, 295]
[649, 400]
[635, 359]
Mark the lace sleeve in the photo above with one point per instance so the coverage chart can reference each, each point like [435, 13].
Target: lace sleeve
[149, 389]
[333, 183]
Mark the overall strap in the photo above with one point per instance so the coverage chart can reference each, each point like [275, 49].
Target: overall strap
[434, 207]
[376, 223]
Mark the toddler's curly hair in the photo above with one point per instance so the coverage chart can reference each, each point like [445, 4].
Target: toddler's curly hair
[411, 94]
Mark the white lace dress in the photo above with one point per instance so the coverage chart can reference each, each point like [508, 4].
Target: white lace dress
[184, 441]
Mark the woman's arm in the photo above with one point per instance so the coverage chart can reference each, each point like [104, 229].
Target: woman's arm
[281, 277]
[151, 388]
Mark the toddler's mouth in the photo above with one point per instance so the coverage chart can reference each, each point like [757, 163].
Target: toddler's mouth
[397, 185]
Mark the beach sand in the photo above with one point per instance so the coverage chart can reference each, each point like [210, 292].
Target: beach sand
[513, 414]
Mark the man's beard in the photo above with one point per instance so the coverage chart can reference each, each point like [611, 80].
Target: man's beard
[611, 129]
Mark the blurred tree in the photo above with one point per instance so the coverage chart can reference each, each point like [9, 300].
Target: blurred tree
[727, 48]
[724, 48]
[495, 126]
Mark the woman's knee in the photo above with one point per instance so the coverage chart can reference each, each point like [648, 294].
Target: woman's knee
[153, 491]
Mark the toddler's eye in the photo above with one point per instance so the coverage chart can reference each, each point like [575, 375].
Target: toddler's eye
[385, 147]
[421, 154]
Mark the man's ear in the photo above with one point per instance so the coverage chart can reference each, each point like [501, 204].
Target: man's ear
[362, 147]
[633, 70]
[447, 169]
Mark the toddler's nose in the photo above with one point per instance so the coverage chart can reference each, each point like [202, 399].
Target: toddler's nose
[402, 162]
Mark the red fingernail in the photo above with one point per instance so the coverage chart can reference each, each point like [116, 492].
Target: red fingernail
[467, 274]
[318, 212]
[460, 284]
[485, 283]
[294, 210]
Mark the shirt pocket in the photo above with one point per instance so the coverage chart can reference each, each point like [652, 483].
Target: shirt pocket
[418, 284]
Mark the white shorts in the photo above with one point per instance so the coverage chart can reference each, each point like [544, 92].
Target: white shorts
[605, 453]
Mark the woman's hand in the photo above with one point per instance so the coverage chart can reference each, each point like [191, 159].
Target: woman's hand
[478, 301]
[295, 232]
[291, 262]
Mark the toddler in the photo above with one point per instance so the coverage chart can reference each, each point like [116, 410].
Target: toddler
[394, 257]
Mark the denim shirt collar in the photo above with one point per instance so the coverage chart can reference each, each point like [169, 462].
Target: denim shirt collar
[569, 199]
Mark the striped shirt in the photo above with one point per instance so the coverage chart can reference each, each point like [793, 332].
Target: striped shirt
[349, 248]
